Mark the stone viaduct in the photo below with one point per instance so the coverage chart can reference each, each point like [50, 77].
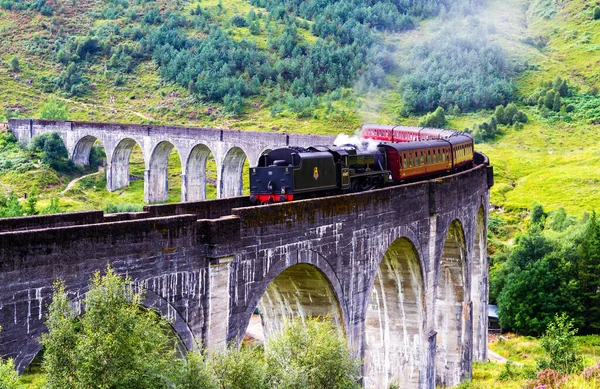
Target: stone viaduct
[402, 270]
[230, 149]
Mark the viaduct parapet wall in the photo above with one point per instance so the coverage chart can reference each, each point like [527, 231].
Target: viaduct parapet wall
[229, 148]
[402, 270]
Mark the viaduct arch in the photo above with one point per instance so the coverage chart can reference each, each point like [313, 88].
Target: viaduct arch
[401, 269]
[230, 149]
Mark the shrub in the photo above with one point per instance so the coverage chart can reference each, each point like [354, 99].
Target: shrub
[311, 355]
[54, 151]
[597, 13]
[435, 119]
[238, 21]
[114, 342]
[9, 379]
[561, 347]
[122, 207]
[53, 109]
[14, 65]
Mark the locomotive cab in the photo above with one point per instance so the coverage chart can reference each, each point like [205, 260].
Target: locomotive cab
[283, 174]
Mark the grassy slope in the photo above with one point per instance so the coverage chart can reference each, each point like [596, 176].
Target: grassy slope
[526, 351]
[22, 31]
[555, 164]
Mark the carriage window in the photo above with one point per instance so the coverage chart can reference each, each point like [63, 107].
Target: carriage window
[434, 157]
[422, 158]
[429, 156]
[410, 160]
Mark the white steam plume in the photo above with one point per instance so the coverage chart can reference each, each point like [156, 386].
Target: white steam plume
[360, 142]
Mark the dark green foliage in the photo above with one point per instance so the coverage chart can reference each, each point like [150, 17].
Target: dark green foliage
[14, 65]
[457, 69]
[71, 81]
[238, 21]
[508, 115]
[560, 345]
[54, 152]
[589, 275]
[538, 216]
[436, 119]
[596, 13]
[38, 5]
[552, 268]
[254, 27]
[30, 203]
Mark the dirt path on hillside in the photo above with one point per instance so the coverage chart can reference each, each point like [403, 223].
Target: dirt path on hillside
[75, 181]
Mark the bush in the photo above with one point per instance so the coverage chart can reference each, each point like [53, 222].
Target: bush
[311, 355]
[14, 65]
[114, 342]
[597, 13]
[54, 152]
[10, 206]
[436, 119]
[53, 109]
[9, 379]
[238, 21]
[561, 347]
[52, 208]
[122, 207]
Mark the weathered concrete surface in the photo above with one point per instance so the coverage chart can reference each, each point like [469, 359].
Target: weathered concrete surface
[230, 149]
[401, 269]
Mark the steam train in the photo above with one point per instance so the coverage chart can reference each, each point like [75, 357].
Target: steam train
[405, 154]
[390, 133]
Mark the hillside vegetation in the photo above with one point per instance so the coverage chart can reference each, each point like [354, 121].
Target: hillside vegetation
[317, 67]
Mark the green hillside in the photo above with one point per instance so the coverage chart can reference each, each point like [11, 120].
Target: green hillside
[312, 67]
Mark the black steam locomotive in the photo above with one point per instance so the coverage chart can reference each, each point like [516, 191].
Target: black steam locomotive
[292, 173]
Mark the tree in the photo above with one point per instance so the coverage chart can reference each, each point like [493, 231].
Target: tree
[113, 344]
[55, 153]
[557, 102]
[530, 298]
[10, 206]
[499, 114]
[9, 379]
[31, 202]
[596, 13]
[589, 275]
[311, 355]
[53, 109]
[538, 216]
[561, 346]
[14, 65]
[195, 373]
[239, 368]
[435, 119]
